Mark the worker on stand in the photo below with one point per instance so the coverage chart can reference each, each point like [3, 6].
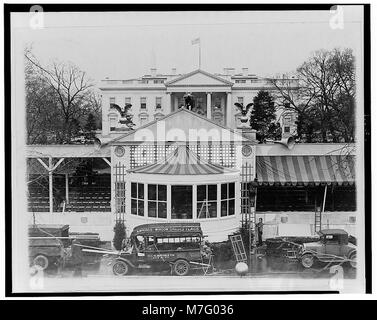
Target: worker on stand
[259, 227]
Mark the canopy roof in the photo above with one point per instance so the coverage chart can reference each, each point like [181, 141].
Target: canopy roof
[329, 169]
[182, 161]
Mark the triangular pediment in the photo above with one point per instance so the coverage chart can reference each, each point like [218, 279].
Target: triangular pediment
[180, 126]
[199, 78]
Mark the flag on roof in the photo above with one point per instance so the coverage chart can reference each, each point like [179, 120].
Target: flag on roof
[195, 41]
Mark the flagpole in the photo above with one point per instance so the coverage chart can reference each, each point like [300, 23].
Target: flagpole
[200, 53]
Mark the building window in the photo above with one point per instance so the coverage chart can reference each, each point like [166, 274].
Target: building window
[181, 202]
[127, 100]
[158, 102]
[207, 201]
[158, 116]
[112, 100]
[137, 198]
[240, 100]
[113, 122]
[143, 102]
[158, 81]
[287, 129]
[240, 81]
[227, 199]
[143, 119]
[287, 118]
[157, 201]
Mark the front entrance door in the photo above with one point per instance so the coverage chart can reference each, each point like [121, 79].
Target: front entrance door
[181, 202]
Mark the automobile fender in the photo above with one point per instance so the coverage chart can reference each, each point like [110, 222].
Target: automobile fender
[352, 252]
[315, 254]
[126, 261]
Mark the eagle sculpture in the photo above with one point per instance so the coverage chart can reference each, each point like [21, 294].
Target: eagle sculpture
[244, 110]
[125, 117]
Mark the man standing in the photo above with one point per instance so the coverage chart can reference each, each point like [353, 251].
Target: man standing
[260, 231]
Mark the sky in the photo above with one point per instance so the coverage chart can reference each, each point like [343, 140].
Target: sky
[124, 45]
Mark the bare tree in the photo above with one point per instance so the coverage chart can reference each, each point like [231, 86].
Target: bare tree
[71, 89]
[324, 95]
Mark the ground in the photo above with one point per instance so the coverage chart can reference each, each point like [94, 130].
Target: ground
[99, 277]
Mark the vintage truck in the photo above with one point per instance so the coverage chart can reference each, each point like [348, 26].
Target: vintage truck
[51, 245]
[176, 246]
[47, 244]
[333, 247]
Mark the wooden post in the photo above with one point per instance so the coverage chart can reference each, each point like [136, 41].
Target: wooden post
[51, 196]
[67, 188]
[324, 199]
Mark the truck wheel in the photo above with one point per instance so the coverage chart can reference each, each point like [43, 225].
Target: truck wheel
[353, 261]
[307, 260]
[41, 261]
[181, 267]
[120, 268]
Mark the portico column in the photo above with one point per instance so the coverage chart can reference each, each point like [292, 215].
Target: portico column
[229, 109]
[209, 108]
[168, 104]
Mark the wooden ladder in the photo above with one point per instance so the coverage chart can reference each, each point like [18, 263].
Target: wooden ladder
[317, 220]
[204, 204]
[238, 248]
[247, 216]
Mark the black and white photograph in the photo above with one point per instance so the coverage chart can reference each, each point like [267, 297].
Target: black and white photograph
[188, 150]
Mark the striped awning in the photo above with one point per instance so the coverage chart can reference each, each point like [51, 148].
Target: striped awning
[182, 161]
[292, 170]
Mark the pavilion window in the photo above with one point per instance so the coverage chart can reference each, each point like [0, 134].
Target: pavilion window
[157, 201]
[227, 199]
[206, 201]
[137, 198]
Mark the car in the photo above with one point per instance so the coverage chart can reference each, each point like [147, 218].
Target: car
[178, 246]
[333, 247]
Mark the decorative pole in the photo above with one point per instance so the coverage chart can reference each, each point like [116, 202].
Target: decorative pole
[197, 41]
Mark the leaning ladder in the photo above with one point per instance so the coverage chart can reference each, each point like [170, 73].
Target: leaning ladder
[318, 213]
[204, 205]
[317, 220]
[238, 248]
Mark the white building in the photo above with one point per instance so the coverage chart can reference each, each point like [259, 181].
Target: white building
[155, 95]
